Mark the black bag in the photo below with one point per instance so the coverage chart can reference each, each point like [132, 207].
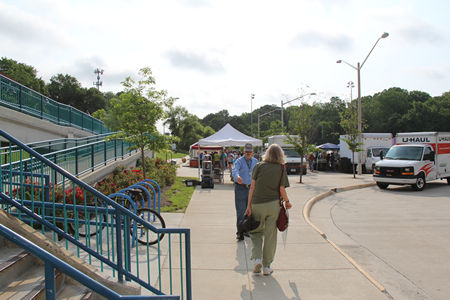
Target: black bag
[247, 224]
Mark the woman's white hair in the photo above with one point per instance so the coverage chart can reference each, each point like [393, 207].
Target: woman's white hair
[274, 154]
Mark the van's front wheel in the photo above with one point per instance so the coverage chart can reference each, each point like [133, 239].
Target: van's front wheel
[448, 180]
[420, 183]
[382, 185]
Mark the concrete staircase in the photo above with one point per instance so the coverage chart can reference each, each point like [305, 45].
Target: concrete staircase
[22, 277]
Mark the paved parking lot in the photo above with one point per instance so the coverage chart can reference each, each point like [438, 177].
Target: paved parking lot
[401, 237]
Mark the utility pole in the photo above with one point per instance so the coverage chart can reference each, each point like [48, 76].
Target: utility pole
[99, 83]
[252, 96]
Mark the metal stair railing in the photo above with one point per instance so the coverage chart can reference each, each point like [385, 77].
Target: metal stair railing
[49, 146]
[77, 160]
[18, 97]
[75, 204]
[52, 262]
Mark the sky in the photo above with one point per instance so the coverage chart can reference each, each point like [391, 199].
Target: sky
[213, 55]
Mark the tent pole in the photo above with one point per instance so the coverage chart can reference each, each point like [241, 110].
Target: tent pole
[198, 159]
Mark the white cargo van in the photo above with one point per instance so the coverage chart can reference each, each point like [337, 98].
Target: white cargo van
[293, 159]
[417, 158]
[373, 145]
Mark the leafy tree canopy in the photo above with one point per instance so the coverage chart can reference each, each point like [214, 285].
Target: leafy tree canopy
[134, 114]
[22, 73]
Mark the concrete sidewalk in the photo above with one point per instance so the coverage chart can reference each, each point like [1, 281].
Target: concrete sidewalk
[305, 267]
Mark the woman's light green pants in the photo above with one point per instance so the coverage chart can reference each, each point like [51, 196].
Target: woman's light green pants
[264, 238]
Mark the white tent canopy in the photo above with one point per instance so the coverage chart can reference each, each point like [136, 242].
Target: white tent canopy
[228, 136]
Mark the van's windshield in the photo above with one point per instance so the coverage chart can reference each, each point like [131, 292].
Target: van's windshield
[405, 153]
[290, 153]
[376, 151]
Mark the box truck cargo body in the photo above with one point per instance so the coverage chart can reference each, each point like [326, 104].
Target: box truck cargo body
[373, 145]
[293, 159]
[417, 158]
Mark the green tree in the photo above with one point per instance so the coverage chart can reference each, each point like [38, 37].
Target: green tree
[383, 112]
[349, 119]
[175, 118]
[66, 89]
[135, 113]
[92, 100]
[301, 123]
[22, 73]
[216, 121]
[186, 127]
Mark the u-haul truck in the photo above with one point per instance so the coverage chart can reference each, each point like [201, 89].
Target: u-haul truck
[417, 158]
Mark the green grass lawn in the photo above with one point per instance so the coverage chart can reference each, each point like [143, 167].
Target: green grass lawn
[170, 155]
[179, 195]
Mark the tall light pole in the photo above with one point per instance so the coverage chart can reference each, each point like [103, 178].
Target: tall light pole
[358, 71]
[262, 115]
[351, 85]
[252, 96]
[286, 102]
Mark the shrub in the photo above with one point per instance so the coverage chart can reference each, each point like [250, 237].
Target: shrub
[161, 172]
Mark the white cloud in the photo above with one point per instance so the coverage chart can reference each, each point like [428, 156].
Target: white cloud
[194, 61]
[213, 54]
[24, 28]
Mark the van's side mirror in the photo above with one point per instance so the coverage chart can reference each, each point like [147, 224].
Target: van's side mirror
[381, 155]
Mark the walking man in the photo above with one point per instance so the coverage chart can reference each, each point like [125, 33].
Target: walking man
[242, 174]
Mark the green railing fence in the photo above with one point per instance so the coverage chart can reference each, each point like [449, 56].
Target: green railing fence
[54, 201]
[18, 97]
[49, 146]
[76, 160]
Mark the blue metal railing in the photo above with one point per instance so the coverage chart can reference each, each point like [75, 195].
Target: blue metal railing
[77, 160]
[52, 262]
[48, 146]
[18, 97]
[74, 202]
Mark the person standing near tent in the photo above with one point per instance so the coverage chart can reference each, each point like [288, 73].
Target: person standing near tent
[242, 175]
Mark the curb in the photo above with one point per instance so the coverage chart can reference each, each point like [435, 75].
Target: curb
[306, 214]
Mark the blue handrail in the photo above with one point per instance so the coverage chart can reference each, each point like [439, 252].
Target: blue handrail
[91, 151]
[52, 262]
[119, 213]
[48, 146]
[19, 97]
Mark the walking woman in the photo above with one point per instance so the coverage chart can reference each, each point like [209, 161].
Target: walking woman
[264, 205]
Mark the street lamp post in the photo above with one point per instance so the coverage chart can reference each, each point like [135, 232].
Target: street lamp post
[252, 96]
[262, 115]
[286, 102]
[358, 71]
[351, 85]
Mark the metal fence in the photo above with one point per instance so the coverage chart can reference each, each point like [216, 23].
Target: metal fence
[91, 225]
[18, 97]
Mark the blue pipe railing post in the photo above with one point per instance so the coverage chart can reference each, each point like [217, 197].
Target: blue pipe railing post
[50, 285]
[92, 158]
[70, 115]
[119, 245]
[58, 113]
[104, 152]
[76, 161]
[188, 264]
[128, 243]
[115, 149]
[20, 98]
[42, 107]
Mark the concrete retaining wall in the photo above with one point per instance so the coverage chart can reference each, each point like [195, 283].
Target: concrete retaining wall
[28, 129]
